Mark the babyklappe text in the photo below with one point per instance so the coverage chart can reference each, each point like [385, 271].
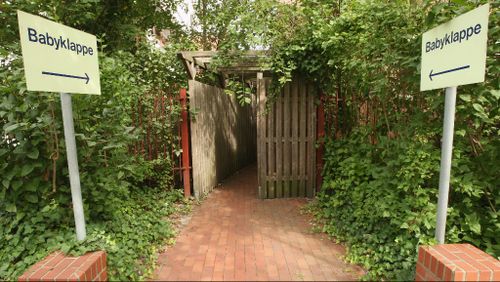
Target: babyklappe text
[58, 42]
[452, 37]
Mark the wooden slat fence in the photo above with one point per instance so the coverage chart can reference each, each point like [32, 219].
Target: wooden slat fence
[286, 136]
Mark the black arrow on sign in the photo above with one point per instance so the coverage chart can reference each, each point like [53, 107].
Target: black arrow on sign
[86, 77]
[447, 71]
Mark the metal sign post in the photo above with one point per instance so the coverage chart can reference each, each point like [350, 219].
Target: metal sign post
[446, 154]
[74, 174]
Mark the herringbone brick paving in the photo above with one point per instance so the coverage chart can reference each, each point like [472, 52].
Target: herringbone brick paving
[233, 235]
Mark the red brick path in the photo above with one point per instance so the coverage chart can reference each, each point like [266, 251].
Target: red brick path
[233, 235]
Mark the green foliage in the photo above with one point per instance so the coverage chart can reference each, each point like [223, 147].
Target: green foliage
[380, 199]
[382, 153]
[242, 91]
[233, 25]
[33, 148]
[126, 199]
[131, 238]
[117, 23]
[35, 206]
[382, 156]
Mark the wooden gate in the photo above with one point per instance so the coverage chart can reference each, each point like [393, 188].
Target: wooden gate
[286, 137]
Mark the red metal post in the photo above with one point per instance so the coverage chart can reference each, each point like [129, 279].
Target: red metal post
[320, 132]
[186, 167]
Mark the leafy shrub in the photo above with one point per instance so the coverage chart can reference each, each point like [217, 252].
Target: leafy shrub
[131, 238]
[383, 134]
[126, 199]
[35, 198]
[381, 200]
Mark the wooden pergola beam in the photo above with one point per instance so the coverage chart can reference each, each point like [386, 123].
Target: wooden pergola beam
[188, 65]
[248, 64]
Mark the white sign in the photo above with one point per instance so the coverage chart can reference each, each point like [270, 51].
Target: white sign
[454, 53]
[58, 58]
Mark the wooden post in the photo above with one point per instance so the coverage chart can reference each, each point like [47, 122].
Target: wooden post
[186, 167]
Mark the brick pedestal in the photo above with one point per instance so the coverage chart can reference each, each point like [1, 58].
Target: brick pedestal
[456, 262]
[57, 267]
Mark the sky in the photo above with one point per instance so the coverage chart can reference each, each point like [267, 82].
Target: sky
[185, 12]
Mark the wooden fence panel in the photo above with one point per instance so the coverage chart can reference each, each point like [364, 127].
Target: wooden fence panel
[271, 157]
[286, 135]
[295, 136]
[279, 145]
[222, 136]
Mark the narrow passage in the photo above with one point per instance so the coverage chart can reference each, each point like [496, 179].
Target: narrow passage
[233, 235]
